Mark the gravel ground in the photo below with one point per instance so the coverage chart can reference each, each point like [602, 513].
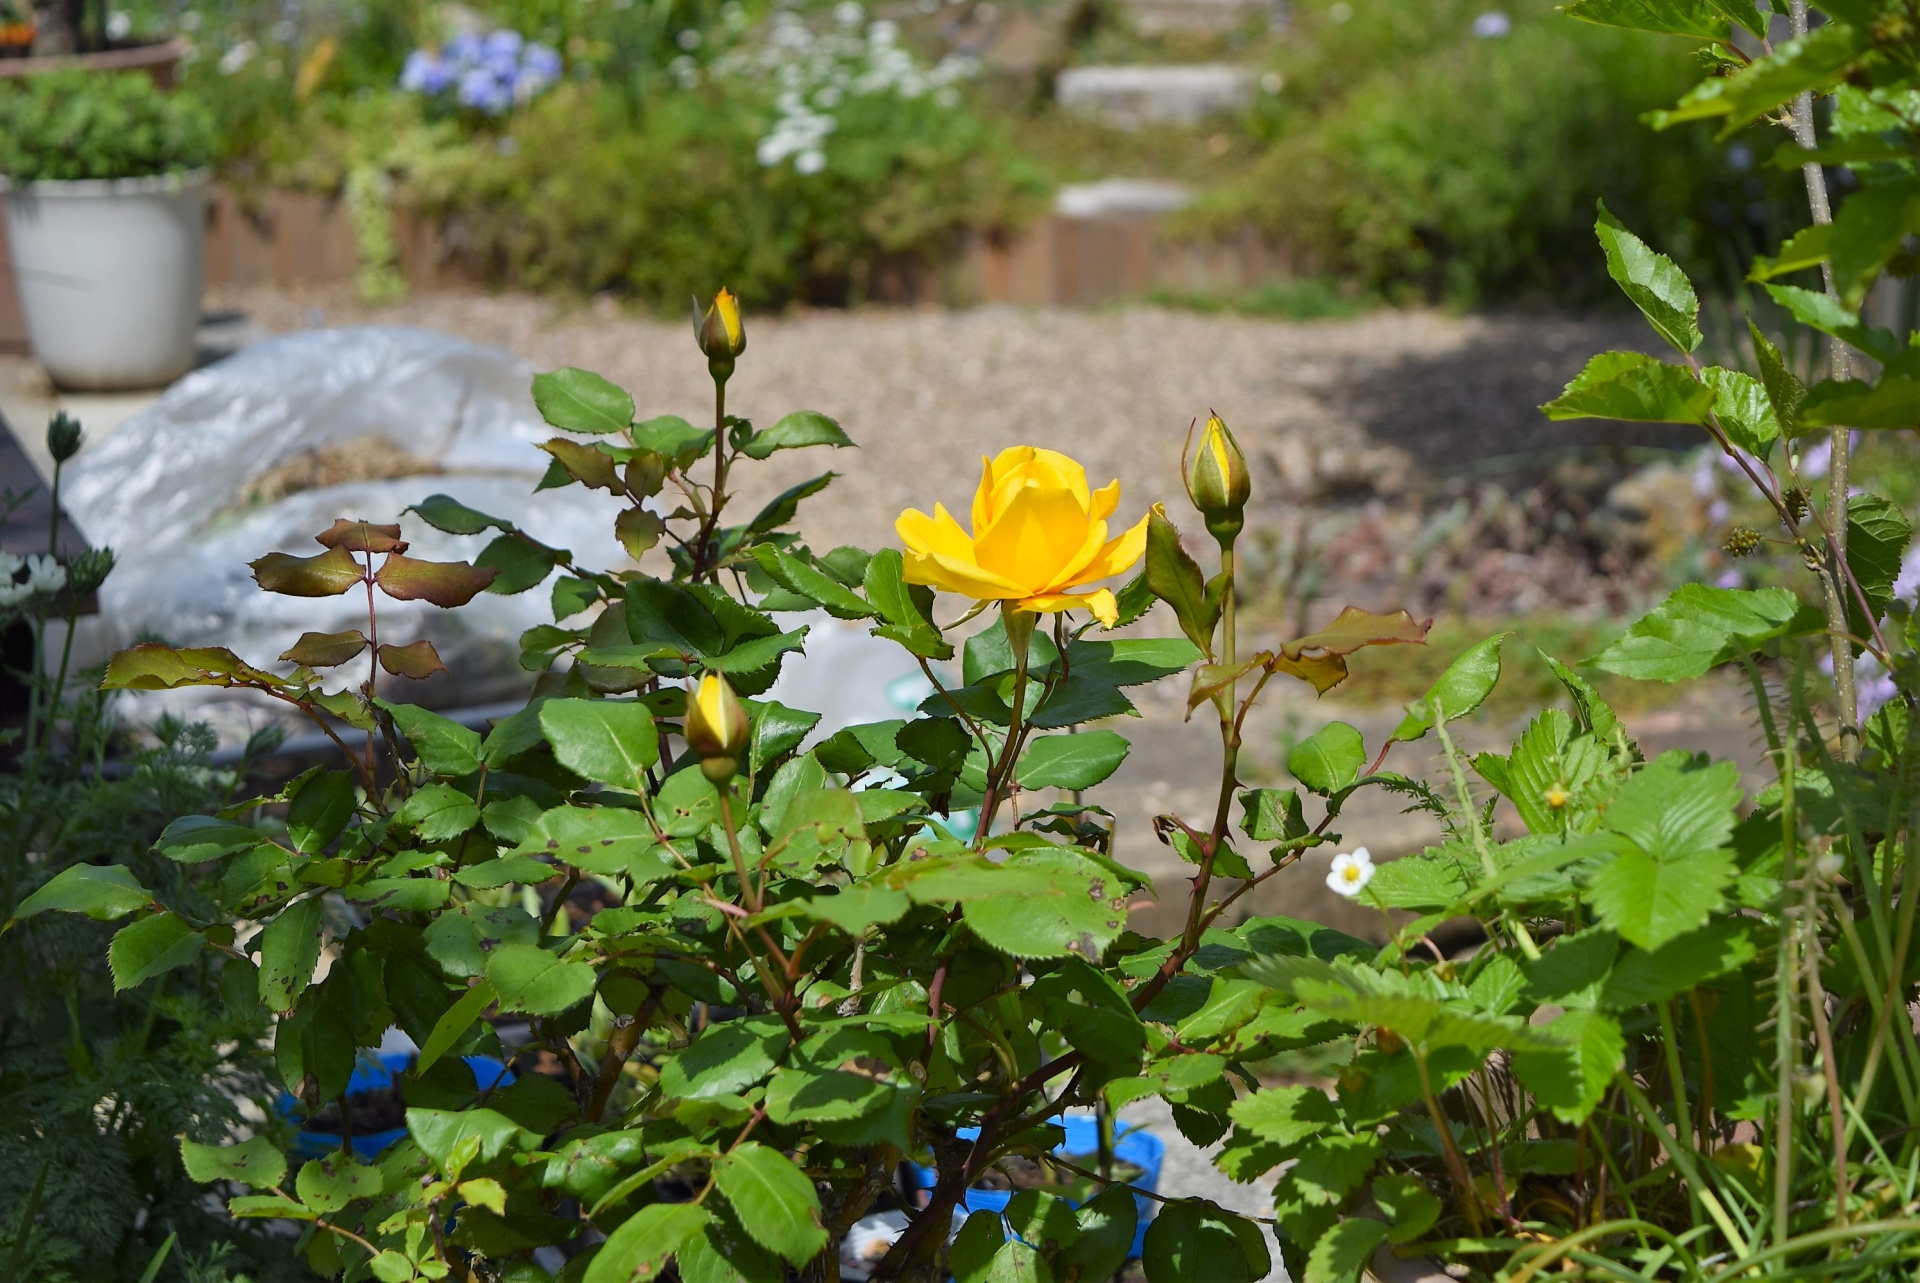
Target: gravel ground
[1388, 402]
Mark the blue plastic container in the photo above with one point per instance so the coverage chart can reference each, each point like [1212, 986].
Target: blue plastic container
[1130, 1145]
[371, 1073]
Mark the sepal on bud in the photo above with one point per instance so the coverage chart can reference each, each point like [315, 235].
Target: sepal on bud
[716, 728]
[63, 437]
[1218, 482]
[720, 333]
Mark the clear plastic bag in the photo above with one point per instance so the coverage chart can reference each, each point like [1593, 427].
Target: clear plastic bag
[262, 451]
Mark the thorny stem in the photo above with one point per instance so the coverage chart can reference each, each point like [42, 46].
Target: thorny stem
[1019, 626]
[1223, 702]
[1801, 124]
[747, 891]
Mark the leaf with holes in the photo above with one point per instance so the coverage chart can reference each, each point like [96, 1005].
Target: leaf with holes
[531, 979]
[252, 1162]
[289, 950]
[328, 1184]
[438, 813]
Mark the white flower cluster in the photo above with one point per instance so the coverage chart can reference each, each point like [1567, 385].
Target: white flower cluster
[44, 575]
[815, 72]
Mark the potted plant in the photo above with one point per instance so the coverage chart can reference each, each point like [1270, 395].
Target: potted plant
[105, 185]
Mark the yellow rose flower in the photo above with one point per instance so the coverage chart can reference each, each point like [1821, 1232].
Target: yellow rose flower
[1039, 538]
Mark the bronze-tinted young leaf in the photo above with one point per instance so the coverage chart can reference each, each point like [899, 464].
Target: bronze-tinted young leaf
[361, 536]
[638, 530]
[326, 575]
[153, 667]
[444, 583]
[324, 650]
[1319, 659]
[415, 659]
[584, 464]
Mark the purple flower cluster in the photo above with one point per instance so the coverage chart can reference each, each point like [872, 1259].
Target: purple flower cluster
[487, 73]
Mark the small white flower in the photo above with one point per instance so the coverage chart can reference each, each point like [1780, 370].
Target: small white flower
[45, 575]
[1828, 866]
[236, 57]
[811, 161]
[1351, 872]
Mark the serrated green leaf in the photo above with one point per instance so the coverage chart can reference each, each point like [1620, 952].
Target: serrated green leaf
[1634, 388]
[1329, 759]
[1079, 907]
[449, 1029]
[1410, 1207]
[1286, 1116]
[531, 979]
[289, 950]
[1653, 282]
[795, 431]
[1743, 408]
[1699, 19]
[1461, 689]
[144, 949]
[776, 1204]
[607, 740]
[195, 839]
[1698, 627]
[1570, 1078]
[1077, 761]
[724, 1059]
[1194, 1241]
[438, 813]
[576, 400]
[1649, 901]
[444, 746]
[1174, 577]
[102, 892]
[1811, 62]
[1341, 1252]
[1644, 977]
[330, 1183]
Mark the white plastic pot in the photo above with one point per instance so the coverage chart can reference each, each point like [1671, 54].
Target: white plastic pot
[110, 274]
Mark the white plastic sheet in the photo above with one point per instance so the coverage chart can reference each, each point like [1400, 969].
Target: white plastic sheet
[164, 492]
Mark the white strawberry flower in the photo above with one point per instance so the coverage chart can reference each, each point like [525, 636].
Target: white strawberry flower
[1351, 872]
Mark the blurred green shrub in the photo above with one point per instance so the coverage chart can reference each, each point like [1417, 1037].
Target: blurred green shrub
[1423, 160]
[79, 124]
[681, 197]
